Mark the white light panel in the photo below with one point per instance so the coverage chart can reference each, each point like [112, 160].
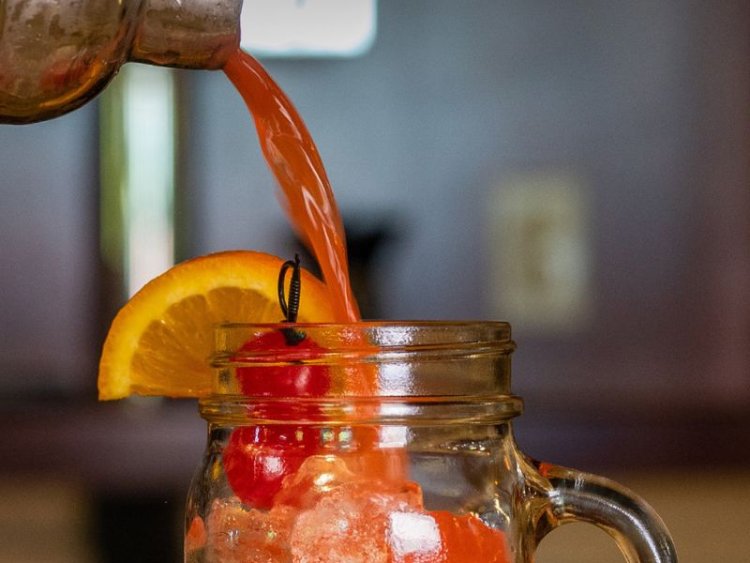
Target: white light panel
[308, 28]
[148, 114]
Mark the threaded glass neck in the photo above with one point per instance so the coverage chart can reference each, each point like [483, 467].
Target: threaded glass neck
[369, 373]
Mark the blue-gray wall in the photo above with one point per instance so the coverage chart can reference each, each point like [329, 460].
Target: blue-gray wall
[645, 101]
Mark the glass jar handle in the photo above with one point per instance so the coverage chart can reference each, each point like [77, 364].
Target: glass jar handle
[573, 496]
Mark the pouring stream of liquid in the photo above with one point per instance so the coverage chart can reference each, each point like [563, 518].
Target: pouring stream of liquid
[294, 159]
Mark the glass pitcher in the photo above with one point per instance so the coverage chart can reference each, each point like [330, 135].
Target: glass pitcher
[384, 442]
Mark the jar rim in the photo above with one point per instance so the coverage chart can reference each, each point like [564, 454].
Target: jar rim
[425, 369]
[388, 336]
[421, 323]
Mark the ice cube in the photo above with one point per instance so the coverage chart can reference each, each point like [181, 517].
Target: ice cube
[349, 523]
[239, 535]
[316, 477]
[340, 530]
[413, 537]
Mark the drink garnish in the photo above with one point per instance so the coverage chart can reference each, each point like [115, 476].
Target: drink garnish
[258, 458]
[160, 341]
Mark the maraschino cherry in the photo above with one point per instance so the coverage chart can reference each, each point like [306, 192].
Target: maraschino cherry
[258, 458]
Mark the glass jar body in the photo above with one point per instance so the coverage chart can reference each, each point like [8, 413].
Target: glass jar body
[395, 498]
[396, 445]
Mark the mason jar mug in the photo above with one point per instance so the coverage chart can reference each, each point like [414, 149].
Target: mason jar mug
[379, 442]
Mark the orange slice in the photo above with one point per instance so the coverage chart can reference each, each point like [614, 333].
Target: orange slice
[160, 341]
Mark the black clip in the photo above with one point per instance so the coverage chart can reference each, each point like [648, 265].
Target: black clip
[290, 307]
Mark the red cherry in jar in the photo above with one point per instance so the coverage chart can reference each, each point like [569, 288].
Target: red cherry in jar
[258, 458]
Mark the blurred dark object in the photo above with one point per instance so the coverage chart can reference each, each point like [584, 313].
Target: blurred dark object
[369, 238]
[137, 528]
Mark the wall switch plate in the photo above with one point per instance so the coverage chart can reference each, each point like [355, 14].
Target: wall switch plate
[540, 252]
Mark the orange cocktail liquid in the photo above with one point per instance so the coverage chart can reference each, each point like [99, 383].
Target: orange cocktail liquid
[308, 199]
[370, 493]
[294, 159]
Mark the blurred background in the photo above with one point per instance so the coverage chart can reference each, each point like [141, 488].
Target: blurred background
[580, 169]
